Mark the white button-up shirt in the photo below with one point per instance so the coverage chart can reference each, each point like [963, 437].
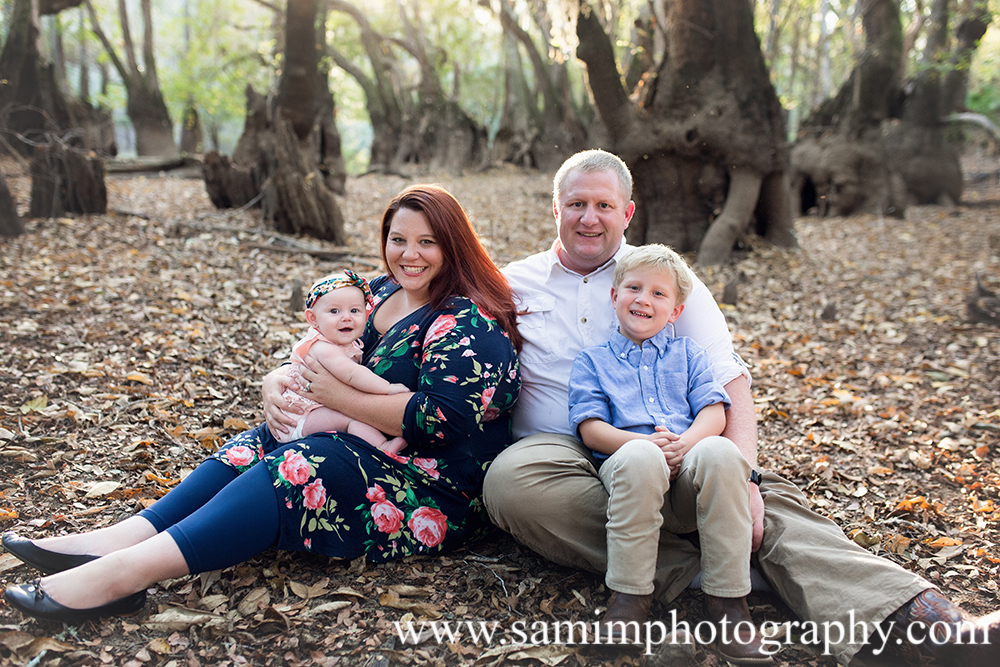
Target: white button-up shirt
[564, 312]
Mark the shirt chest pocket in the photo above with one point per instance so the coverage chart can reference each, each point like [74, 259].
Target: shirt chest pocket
[536, 324]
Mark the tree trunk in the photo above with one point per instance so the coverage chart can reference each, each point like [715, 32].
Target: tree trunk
[192, 137]
[146, 109]
[555, 132]
[972, 25]
[444, 136]
[64, 180]
[435, 133]
[879, 146]
[325, 140]
[31, 102]
[705, 134]
[516, 132]
[293, 164]
[11, 223]
[383, 106]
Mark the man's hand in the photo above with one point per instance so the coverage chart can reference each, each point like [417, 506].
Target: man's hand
[757, 516]
[280, 415]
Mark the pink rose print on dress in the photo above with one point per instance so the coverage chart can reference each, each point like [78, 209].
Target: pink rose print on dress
[240, 455]
[396, 457]
[387, 517]
[429, 466]
[440, 328]
[485, 313]
[308, 544]
[314, 495]
[295, 468]
[429, 525]
[491, 414]
[488, 395]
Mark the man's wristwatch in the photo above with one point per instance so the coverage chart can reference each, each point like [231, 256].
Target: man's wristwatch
[756, 477]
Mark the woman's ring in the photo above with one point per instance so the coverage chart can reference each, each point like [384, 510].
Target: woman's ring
[308, 386]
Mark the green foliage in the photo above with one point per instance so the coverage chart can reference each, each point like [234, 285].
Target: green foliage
[215, 49]
[984, 84]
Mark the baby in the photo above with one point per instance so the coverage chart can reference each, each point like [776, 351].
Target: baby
[336, 310]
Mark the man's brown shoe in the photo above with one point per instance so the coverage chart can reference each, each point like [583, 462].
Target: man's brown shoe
[931, 631]
[736, 636]
[624, 620]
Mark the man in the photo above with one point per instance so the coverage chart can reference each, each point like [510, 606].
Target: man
[546, 492]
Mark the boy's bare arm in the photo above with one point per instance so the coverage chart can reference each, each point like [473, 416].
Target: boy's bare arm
[605, 438]
[710, 420]
[350, 372]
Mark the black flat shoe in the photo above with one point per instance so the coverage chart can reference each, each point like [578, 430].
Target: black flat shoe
[47, 561]
[31, 600]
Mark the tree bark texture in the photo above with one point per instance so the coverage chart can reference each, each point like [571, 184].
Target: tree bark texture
[704, 134]
[66, 180]
[11, 223]
[271, 162]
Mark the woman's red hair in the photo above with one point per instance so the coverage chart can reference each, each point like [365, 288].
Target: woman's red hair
[468, 270]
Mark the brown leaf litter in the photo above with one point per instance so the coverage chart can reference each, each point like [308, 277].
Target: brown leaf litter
[135, 342]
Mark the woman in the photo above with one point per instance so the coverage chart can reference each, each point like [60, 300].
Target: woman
[443, 324]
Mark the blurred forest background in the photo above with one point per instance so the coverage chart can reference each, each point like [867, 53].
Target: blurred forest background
[208, 51]
[822, 144]
[734, 117]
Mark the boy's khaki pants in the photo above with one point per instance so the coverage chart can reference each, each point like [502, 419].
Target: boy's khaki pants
[709, 495]
[545, 491]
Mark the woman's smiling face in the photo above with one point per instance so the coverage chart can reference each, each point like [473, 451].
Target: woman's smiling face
[412, 252]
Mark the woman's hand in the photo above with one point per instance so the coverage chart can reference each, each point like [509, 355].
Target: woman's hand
[384, 412]
[321, 385]
[280, 415]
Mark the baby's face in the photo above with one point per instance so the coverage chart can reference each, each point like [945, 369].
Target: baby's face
[340, 314]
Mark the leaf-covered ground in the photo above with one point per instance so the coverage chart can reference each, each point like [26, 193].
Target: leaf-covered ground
[134, 343]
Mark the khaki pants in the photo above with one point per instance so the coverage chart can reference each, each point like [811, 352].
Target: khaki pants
[545, 490]
[709, 495]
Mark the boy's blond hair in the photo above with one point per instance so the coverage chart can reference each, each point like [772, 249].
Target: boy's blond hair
[656, 257]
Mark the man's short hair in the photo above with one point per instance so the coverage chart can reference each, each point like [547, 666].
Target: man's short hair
[594, 160]
[660, 258]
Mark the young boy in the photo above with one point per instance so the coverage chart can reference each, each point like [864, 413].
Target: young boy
[336, 310]
[645, 402]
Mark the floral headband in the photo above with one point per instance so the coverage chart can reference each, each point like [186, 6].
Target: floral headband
[335, 281]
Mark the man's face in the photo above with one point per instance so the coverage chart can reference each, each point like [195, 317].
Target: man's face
[592, 215]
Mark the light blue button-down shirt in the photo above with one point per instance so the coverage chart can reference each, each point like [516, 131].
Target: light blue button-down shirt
[665, 381]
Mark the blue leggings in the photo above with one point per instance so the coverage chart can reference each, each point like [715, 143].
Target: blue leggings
[217, 517]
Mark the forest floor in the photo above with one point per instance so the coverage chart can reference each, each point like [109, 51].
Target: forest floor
[134, 343]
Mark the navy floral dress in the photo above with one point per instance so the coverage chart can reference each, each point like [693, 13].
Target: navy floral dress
[342, 497]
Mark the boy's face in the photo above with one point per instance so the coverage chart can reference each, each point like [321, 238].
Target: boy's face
[339, 314]
[645, 302]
